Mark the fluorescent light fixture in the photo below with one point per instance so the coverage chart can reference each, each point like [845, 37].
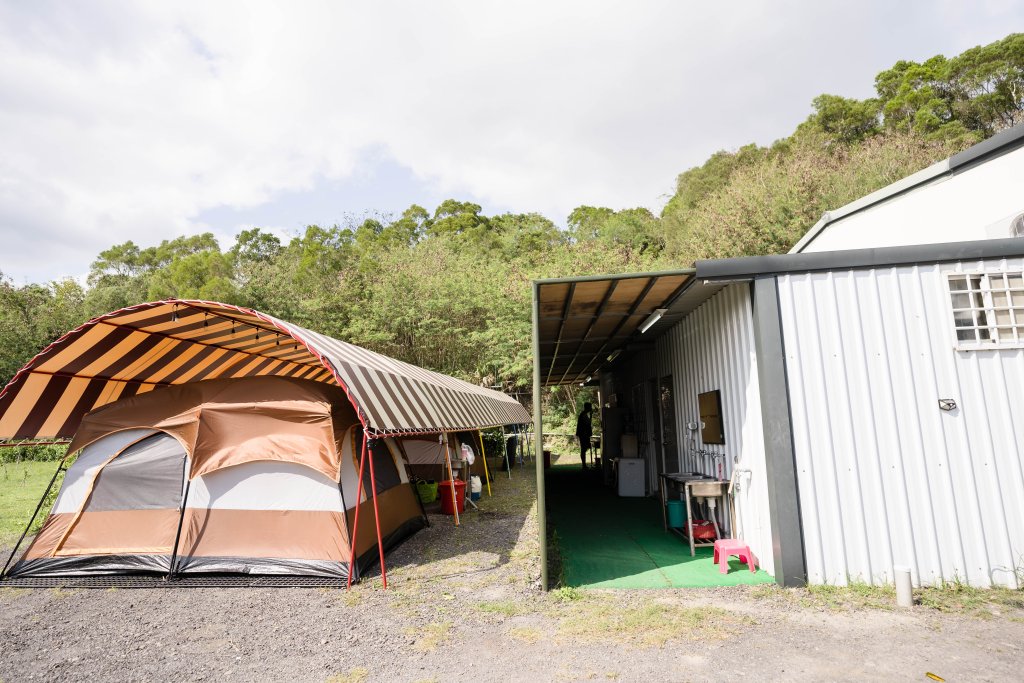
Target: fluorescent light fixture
[652, 318]
[614, 354]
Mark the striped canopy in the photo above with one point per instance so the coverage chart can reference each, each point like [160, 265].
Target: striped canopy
[163, 343]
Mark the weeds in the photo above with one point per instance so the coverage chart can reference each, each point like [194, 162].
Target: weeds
[431, 636]
[568, 594]
[356, 675]
[959, 597]
[649, 625]
[525, 634]
[505, 608]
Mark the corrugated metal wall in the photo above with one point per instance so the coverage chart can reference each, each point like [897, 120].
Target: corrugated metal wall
[887, 478]
[713, 348]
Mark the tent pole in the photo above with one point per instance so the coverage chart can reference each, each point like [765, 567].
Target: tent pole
[355, 523]
[483, 455]
[344, 507]
[181, 515]
[60, 467]
[451, 477]
[177, 536]
[368, 448]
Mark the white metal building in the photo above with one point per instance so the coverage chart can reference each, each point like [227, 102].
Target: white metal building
[872, 399]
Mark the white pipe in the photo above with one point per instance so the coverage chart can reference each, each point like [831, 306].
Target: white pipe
[904, 587]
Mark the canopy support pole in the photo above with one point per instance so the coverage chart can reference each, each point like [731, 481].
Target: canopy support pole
[368, 449]
[451, 477]
[355, 524]
[483, 456]
[181, 517]
[60, 468]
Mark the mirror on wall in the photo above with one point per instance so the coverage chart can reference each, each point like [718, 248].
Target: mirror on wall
[710, 405]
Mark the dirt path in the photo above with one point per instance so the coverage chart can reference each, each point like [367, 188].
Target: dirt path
[463, 605]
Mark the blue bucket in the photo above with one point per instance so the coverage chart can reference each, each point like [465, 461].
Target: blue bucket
[676, 514]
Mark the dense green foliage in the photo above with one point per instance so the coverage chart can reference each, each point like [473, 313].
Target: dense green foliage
[449, 289]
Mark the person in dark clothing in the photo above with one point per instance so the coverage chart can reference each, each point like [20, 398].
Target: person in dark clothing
[584, 430]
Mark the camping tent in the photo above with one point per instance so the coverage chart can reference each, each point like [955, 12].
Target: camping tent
[212, 438]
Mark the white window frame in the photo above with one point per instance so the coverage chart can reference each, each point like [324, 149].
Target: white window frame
[994, 281]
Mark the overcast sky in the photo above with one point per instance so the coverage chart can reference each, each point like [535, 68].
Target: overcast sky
[144, 121]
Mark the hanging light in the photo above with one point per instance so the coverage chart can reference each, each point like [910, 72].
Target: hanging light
[174, 314]
[206, 321]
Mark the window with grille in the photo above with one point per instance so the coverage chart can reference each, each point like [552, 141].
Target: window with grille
[988, 309]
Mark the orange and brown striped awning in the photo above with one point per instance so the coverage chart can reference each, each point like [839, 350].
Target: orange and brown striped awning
[164, 343]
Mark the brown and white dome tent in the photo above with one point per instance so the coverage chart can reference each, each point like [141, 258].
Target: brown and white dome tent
[215, 439]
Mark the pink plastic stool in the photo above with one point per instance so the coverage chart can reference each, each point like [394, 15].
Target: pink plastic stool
[733, 546]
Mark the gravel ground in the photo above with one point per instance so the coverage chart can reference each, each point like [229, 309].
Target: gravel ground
[463, 604]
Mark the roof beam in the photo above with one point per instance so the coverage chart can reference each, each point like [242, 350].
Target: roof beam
[561, 328]
[597, 314]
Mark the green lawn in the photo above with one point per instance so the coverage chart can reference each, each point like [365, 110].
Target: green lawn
[21, 485]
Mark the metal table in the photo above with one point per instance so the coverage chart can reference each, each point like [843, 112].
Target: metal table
[693, 485]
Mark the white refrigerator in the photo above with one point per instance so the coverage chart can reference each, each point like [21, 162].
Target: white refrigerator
[632, 478]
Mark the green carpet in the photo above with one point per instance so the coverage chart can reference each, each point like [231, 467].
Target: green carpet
[611, 542]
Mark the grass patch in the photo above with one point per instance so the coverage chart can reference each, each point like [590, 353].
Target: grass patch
[429, 638]
[852, 597]
[567, 594]
[506, 608]
[356, 675]
[960, 598]
[8, 594]
[21, 486]
[525, 634]
[653, 624]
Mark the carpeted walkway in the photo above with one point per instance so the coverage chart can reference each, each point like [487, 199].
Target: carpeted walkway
[611, 542]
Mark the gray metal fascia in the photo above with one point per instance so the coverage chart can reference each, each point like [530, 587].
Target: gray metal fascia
[779, 451]
[614, 276]
[850, 259]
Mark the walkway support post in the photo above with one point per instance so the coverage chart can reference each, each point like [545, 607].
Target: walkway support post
[538, 441]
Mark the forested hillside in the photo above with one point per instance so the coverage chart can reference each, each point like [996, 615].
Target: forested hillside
[449, 289]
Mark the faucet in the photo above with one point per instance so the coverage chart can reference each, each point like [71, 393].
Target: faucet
[719, 459]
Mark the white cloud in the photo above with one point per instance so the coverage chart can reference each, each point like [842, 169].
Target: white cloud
[127, 120]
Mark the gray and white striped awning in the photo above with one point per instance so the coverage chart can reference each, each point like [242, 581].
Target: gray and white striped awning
[164, 343]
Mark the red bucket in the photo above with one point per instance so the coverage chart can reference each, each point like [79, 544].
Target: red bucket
[444, 492]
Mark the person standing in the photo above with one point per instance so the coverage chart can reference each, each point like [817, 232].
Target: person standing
[584, 430]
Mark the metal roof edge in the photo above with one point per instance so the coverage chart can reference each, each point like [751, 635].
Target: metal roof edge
[750, 266]
[612, 276]
[1000, 143]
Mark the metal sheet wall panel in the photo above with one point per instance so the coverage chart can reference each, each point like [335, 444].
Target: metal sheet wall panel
[713, 348]
[885, 477]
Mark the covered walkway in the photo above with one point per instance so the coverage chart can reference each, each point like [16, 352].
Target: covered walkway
[612, 542]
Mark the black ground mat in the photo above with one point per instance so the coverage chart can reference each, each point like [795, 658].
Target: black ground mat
[206, 581]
